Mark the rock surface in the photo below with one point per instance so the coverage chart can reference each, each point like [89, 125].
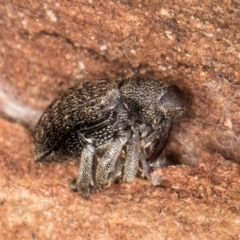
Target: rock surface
[47, 47]
[36, 201]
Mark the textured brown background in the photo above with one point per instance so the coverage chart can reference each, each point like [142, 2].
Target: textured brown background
[46, 47]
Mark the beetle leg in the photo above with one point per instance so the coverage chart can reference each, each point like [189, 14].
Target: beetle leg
[84, 180]
[117, 175]
[107, 163]
[132, 157]
[163, 134]
[156, 181]
[160, 162]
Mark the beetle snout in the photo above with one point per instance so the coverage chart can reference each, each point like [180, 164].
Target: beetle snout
[173, 101]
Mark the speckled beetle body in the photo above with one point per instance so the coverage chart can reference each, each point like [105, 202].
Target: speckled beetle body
[96, 121]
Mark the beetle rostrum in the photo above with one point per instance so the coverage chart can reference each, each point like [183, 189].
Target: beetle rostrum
[114, 128]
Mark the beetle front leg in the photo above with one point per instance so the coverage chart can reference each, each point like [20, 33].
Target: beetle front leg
[160, 162]
[132, 157]
[163, 134]
[107, 163]
[146, 170]
[84, 181]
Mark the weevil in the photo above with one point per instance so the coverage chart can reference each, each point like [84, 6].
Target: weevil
[113, 128]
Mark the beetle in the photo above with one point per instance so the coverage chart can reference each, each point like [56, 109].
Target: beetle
[98, 123]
